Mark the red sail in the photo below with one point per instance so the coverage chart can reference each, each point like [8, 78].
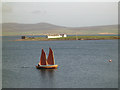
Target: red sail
[50, 59]
[43, 58]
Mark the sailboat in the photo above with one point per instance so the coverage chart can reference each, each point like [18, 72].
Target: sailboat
[48, 63]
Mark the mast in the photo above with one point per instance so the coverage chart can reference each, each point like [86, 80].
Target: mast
[50, 59]
[76, 36]
[43, 58]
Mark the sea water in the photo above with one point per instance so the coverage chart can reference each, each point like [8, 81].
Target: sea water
[81, 64]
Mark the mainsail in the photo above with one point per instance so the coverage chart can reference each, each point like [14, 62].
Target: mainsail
[43, 58]
[50, 59]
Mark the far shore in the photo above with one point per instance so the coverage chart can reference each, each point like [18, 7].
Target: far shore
[70, 38]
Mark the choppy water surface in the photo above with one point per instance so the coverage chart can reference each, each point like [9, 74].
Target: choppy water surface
[82, 64]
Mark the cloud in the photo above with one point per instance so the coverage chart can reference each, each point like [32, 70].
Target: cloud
[37, 11]
[7, 7]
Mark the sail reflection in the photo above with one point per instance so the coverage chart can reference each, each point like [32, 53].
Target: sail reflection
[47, 72]
[48, 77]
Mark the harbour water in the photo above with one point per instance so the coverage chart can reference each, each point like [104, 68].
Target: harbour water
[82, 64]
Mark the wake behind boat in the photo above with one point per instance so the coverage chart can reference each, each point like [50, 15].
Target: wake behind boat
[49, 63]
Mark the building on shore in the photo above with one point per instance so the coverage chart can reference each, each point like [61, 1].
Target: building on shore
[63, 35]
[56, 36]
[23, 37]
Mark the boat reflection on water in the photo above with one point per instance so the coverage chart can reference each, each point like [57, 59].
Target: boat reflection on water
[47, 71]
[48, 77]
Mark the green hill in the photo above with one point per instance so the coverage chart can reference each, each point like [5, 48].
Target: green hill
[46, 28]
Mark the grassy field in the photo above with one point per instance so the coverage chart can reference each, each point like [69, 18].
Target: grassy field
[71, 38]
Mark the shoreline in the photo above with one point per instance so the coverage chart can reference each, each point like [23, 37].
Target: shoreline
[70, 38]
[61, 40]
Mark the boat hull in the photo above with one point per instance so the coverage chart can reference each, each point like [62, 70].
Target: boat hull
[47, 67]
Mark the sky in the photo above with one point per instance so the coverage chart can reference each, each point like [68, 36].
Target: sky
[70, 14]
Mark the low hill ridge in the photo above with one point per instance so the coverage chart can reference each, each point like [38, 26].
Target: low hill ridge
[46, 28]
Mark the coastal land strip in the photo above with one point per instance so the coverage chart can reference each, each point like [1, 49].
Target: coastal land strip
[69, 38]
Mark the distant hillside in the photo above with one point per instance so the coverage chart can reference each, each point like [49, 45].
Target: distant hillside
[46, 28]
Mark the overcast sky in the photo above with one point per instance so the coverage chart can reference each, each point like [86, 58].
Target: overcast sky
[72, 14]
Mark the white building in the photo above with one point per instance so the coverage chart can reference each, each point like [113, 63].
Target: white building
[63, 35]
[57, 36]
